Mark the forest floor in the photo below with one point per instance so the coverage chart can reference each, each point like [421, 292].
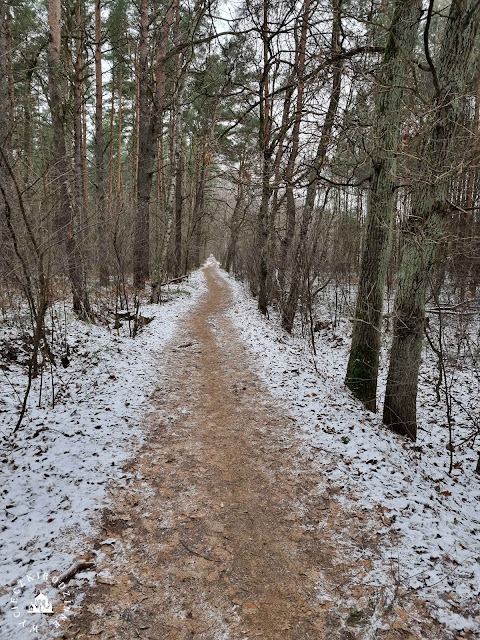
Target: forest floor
[230, 523]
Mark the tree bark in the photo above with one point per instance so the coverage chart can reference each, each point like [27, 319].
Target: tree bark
[64, 223]
[79, 185]
[178, 202]
[288, 238]
[425, 224]
[236, 220]
[266, 156]
[99, 151]
[146, 157]
[362, 370]
[300, 264]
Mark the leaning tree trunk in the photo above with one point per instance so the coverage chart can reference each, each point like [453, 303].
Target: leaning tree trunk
[64, 222]
[427, 218]
[362, 370]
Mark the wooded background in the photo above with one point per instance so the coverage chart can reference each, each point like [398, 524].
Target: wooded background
[307, 144]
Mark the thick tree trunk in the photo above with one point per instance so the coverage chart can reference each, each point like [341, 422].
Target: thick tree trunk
[425, 225]
[150, 118]
[362, 370]
[64, 223]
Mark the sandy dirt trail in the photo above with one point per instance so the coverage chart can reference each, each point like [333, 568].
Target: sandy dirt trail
[226, 530]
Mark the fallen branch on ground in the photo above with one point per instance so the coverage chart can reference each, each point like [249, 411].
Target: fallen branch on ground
[78, 565]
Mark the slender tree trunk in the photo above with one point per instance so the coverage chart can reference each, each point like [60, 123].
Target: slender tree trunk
[295, 141]
[118, 188]
[178, 203]
[146, 158]
[476, 144]
[102, 253]
[78, 142]
[427, 218]
[362, 370]
[28, 120]
[299, 262]
[266, 154]
[197, 213]
[235, 221]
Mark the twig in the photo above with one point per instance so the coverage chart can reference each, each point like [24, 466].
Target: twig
[195, 553]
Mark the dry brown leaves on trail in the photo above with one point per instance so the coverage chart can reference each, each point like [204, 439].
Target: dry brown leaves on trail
[227, 530]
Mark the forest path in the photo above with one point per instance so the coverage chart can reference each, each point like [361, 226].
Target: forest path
[227, 530]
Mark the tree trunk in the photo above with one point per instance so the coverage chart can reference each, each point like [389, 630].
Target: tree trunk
[64, 222]
[146, 158]
[99, 150]
[78, 136]
[287, 240]
[300, 264]
[150, 118]
[362, 370]
[265, 128]
[236, 221]
[425, 225]
[178, 202]
[197, 214]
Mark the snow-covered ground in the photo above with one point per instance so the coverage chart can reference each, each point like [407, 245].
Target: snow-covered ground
[56, 470]
[431, 532]
[56, 476]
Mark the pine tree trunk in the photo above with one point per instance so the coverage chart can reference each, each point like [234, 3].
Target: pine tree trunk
[146, 158]
[265, 130]
[235, 222]
[64, 223]
[362, 370]
[99, 164]
[78, 137]
[178, 204]
[288, 238]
